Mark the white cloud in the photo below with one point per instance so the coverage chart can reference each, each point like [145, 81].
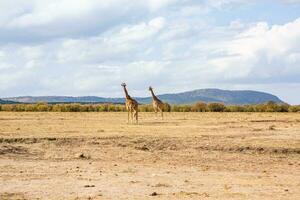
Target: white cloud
[264, 53]
[89, 48]
[123, 44]
[36, 20]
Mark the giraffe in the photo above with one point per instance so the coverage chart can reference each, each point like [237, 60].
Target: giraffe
[131, 106]
[158, 105]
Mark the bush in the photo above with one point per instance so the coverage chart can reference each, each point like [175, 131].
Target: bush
[103, 108]
[181, 108]
[283, 107]
[199, 107]
[29, 108]
[271, 106]
[167, 107]
[216, 107]
[111, 108]
[8, 107]
[119, 108]
[249, 108]
[260, 108]
[294, 108]
[42, 107]
[58, 108]
[235, 109]
[146, 108]
[75, 108]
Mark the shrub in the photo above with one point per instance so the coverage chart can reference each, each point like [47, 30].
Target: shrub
[146, 108]
[167, 107]
[111, 108]
[42, 107]
[181, 108]
[119, 108]
[91, 108]
[103, 108]
[271, 106]
[295, 108]
[175, 108]
[216, 107]
[75, 108]
[84, 108]
[259, 108]
[283, 107]
[8, 107]
[249, 108]
[57, 108]
[199, 107]
[29, 108]
[235, 109]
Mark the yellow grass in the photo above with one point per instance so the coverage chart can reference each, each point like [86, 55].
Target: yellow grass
[185, 156]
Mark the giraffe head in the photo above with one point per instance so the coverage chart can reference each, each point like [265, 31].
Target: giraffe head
[150, 88]
[123, 84]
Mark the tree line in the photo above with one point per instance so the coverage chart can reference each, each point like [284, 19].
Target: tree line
[197, 107]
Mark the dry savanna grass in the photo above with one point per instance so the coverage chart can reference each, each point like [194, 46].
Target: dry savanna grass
[185, 156]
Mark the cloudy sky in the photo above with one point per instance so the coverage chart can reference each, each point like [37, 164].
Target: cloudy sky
[79, 47]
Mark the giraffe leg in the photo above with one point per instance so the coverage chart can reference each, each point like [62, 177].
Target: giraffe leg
[136, 117]
[155, 111]
[131, 113]
[162, 115]
[128, 117]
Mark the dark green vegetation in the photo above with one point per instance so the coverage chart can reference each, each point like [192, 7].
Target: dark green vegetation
[6, 102]
[204, 95]
[198, 107]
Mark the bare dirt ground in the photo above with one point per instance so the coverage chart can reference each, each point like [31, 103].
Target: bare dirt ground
[185, 156]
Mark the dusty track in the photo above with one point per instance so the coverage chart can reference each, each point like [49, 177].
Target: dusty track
[186, 156]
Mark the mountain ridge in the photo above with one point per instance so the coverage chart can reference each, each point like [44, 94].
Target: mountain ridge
[6, 102]
[234, 97]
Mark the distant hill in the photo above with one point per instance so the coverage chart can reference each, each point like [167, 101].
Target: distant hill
[6, 102]
[235, 97]
[64, 99]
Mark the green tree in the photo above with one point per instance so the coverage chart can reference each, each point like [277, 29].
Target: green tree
[199, 107]
[216, 107]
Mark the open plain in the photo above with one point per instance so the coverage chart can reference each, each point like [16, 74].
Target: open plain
[184, 156]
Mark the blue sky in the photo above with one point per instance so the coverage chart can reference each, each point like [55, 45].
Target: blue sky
[273, 12]
[77, 47]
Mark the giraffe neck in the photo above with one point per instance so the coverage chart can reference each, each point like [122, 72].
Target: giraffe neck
[153, 95]
[126, 93]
